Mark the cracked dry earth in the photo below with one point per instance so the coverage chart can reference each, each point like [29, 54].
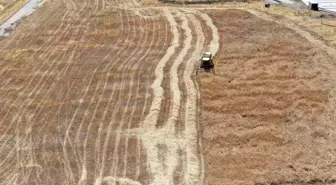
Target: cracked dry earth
[102, 92]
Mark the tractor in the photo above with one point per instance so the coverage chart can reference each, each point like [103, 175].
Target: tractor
[207, 62]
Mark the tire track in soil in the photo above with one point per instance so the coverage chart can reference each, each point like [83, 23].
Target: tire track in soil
[83, 176]
[166, 101]
[124, 87]
[76, 152]
[66, 14]
[161, 173]
[136, 111]
[214, 44]
[146, 107]
[20, 32]
[167, 142]
[149, 123]
[67, 138]
[7, 130]
[39, 69]
[143, 64]
[171, 125]
[105, 111]
[125, 134]
[193, 167]
[107, 137]
[111, 177]
[16, 78]
[97, 143]
[100, 101]
[65, 69]
[193, 163]
[133, 58]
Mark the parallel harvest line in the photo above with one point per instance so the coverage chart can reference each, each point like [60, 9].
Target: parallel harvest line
[97, 145]
[101, 124]
[149, 123]
[66, 138]
[55, 33]
[142, 117]
[194, 167]
[22, 28]
[151, 119]
[65, 31]
[129, 66]
[14, 119]
[143, 64]
[124, 64]
[83, 178]
[75, 150]
[174, 112]
[66, 67]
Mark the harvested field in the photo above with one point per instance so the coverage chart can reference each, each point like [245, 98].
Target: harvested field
[102, 93]
[105, 92]
[268, 114]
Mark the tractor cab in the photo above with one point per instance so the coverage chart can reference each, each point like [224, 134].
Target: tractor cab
[206, 61]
